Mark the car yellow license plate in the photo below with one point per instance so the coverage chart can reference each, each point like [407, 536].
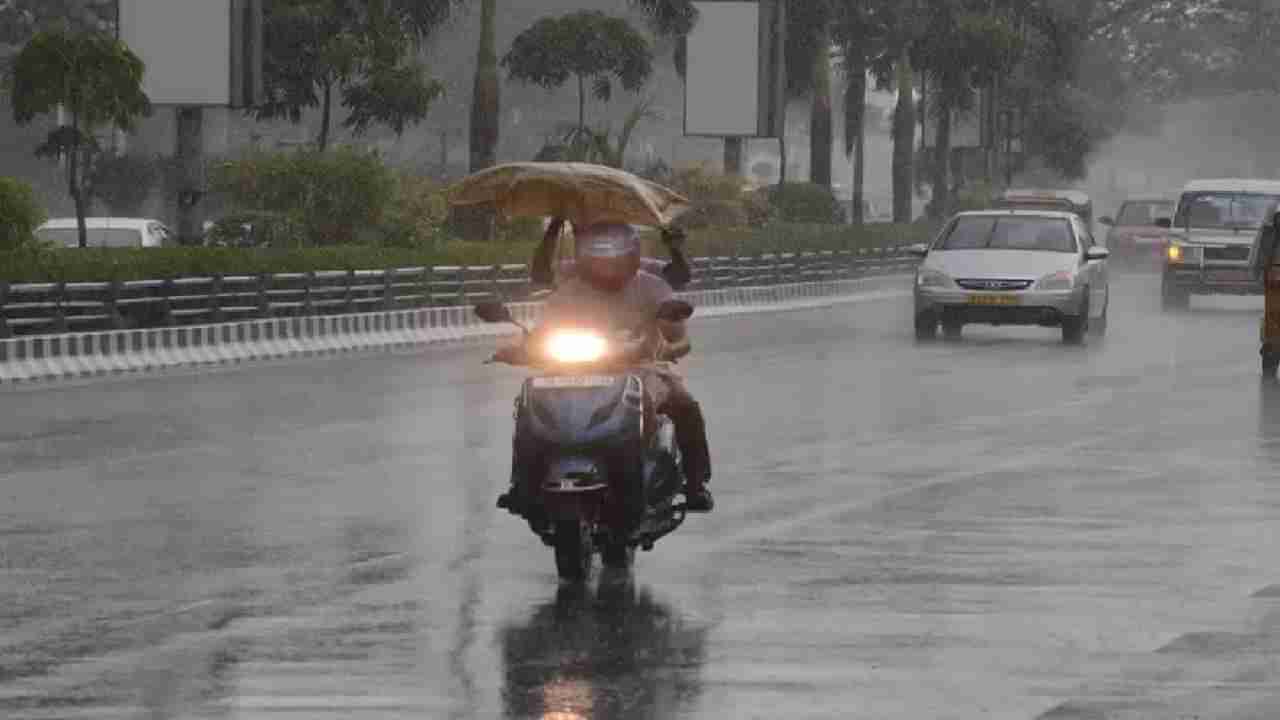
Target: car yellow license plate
[998, 300]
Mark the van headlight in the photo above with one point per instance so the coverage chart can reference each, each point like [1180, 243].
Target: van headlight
[1177, 253]
[933, 279]
[1063, 280]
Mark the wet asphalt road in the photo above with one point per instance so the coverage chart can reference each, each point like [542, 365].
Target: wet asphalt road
[1000, 527]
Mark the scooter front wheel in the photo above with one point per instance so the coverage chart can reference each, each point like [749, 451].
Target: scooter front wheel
[573, 550]
[618, 556]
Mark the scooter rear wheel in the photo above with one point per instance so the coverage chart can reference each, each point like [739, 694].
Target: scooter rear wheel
[573, 550]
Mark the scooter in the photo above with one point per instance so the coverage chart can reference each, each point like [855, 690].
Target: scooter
[596, 467]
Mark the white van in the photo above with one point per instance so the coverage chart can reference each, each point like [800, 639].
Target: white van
[107, 232]
[1211, 238]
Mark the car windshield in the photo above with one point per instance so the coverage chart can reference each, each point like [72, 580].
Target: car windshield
[97, 237]
[1223, 209]
[1143, 213]
[1038, 234]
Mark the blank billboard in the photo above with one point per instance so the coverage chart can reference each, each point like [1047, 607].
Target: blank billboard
[722, 81]
[186, 45]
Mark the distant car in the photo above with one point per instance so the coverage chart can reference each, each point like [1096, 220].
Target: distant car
[107, 232]
[1013, 267]
[1211, 239]
[1134, 236]
[1073, 201]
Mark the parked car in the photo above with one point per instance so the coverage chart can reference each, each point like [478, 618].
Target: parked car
[107, 232]
[1211, 237]
[1134, 236]
[1013, 267]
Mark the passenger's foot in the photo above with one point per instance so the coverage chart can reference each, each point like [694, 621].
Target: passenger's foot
[699, 501]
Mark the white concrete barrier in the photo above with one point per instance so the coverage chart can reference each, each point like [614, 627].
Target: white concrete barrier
[82, 355]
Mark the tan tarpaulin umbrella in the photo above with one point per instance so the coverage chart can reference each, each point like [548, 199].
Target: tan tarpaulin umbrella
[582, 193]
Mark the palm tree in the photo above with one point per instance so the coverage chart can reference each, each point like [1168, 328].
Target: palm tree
[964, 48]
[486, 101]
[859, 30]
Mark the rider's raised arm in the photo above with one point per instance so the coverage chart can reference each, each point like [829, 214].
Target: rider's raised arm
[677, 272]
[541, 271]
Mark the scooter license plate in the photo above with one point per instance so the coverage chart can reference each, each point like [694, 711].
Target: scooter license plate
[572, 381]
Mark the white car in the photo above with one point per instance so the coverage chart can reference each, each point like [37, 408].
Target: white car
[1013, 267]
[107, 232]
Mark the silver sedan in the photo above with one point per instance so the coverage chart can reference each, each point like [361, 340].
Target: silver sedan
[1011, 267]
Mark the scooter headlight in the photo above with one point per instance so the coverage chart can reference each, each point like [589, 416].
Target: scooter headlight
[575, 346]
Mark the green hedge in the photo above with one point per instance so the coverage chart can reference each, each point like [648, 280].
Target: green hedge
[20, 214]
[100, 265]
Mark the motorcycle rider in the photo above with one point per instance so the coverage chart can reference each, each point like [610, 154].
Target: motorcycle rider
[676, 272]
[609, 289]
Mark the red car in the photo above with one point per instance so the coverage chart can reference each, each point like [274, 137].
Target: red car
[1134, 237]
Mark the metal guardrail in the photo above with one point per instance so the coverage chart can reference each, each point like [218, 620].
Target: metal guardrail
[43, 308]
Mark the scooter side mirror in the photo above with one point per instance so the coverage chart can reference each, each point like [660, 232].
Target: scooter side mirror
[675, 311]
[494, 312]
[918, 250]
[1164, 222]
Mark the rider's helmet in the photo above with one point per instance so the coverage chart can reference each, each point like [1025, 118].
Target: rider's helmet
[607, 255]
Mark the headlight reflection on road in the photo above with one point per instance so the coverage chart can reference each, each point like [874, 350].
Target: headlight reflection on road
[575, 694]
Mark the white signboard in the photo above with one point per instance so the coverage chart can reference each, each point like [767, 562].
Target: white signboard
[187, 47]
[722, 81]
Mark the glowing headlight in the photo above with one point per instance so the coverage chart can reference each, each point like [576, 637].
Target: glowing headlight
[933, 279]
[576, 347]
[1064, 280]
[1183, 253]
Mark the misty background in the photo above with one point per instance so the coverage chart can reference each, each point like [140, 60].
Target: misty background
[1171, 136]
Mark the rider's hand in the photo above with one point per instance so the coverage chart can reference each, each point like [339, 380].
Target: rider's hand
[673, 237]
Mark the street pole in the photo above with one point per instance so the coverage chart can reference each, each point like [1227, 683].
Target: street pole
[733, 156]
[190, 152]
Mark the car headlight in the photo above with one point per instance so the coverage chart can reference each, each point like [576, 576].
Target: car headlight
[1177, 253]
[933, 279]
[1064, 280]
[570, 346]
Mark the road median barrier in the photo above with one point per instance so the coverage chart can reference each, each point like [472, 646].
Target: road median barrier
[65, 356]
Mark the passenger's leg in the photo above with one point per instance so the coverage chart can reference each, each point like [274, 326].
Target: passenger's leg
[691, 435]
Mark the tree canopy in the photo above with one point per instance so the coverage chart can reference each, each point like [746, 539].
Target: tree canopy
[363, 50]
[95, 78]
[590, 46]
